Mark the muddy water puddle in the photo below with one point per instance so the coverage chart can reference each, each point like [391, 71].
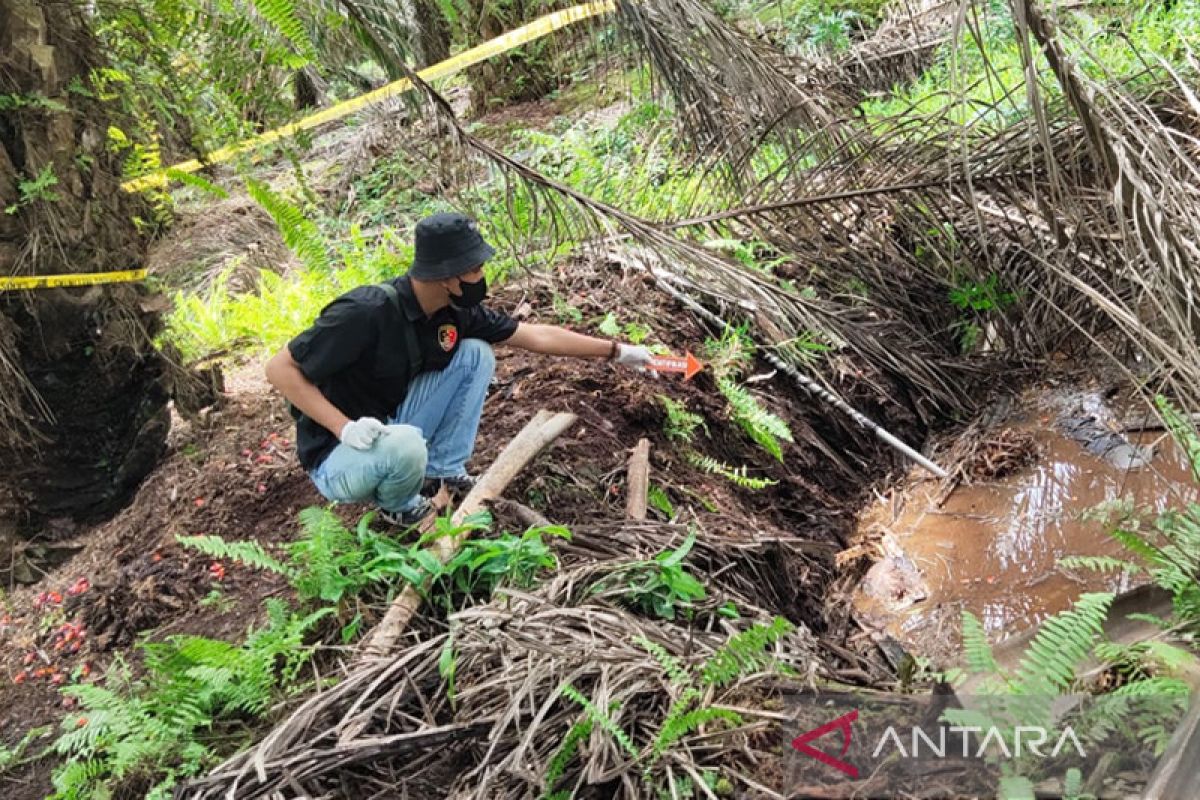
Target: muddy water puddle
[993, 548]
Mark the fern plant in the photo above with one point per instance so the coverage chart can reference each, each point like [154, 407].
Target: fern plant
[761, 425]
[299, 233]
[680, 424]
[1049, 663]
[731, 353]
[156, 726]
[735, 475]
[283, 15]
[1022, 697]
[566, 751]
[251, 554]
[743, 654]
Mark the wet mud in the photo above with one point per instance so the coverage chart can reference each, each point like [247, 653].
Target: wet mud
[993, 547]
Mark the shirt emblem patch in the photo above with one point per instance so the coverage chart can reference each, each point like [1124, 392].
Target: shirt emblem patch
[447, 337]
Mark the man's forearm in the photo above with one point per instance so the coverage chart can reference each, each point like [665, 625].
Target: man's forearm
[285, 376]
[555, 341]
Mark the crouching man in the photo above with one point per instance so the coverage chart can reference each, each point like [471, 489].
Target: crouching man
[387, 386]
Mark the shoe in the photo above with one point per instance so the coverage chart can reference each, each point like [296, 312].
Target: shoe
[406, 519]
[457, 485]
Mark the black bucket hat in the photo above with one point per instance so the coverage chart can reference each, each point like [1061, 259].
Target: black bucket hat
[447, 245]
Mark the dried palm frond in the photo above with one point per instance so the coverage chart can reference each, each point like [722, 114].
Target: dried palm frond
[511, 658]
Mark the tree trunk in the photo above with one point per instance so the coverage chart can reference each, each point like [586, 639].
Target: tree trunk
[522, 74]
[433, 33]
[82, 410]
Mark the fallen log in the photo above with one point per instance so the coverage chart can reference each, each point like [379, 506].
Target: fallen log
[638, 481]
[544, 428]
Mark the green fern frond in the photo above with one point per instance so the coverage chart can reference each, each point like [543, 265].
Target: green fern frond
[1072, 784]
[1169, 657]
[249, 553]
[675, 729]
[282, 14]
[299, 233]
[736, 475]
[680, 424]
[1182, 431]
[1062, 642]
[1158, 687]
[743, 653]
[1135, 542]
[607, 723]
[581, 730]
[975, 645]
[78, 780]
[1015, 787]
[196, 182]
[1098, 564]
[675, 671]
[761, 425]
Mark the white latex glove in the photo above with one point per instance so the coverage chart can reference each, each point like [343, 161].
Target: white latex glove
[632, 356]
[361, 433]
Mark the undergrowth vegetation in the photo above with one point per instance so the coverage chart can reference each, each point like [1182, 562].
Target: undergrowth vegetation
[199, 698]
[980, 80]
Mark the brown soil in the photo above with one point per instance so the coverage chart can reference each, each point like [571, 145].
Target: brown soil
[233, 474]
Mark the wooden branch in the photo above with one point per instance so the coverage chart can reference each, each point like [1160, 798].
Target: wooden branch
[637, 485]
[544, 428]
[527, 516]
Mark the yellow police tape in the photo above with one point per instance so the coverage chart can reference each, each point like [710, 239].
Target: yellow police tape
[20, 282]
[508, 41]
[503, 43]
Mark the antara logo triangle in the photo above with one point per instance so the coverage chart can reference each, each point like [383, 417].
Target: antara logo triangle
[842, 723]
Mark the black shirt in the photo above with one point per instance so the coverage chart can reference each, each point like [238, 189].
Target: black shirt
[357, 354]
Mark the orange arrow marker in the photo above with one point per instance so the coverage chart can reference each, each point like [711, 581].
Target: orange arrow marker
[689, 366]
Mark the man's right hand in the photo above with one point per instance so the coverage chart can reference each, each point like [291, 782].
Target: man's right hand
[361, 433]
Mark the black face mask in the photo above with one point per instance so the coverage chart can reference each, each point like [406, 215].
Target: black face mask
[472, 294]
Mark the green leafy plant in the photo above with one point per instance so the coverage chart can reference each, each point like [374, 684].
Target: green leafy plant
[566, 751]
[759, 424]
[482, 564]
[217, 600]
[743, 654]
[657, 497]
[196, 182]
[983, 295]
[1168, 543]
[283, 15]
[755, 255]
[661, 586]
[680, 424]
[331, 563]
[731, 353]
[154, 726]
[16, 102]
[279, 305]
[15, 755]
[251, 554]
[300, 234]
[609, 325]
[565, 312]
[40, 188]
[736, 475]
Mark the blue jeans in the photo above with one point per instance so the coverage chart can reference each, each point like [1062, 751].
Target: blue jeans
[431, 435]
